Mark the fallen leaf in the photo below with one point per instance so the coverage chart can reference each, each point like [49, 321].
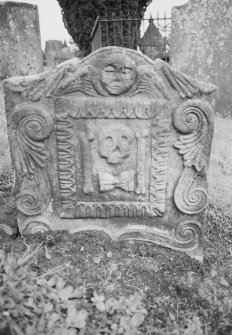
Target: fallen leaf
[224, 282]
[47, 255]
[99, 302]
[48, 307]
[109, 254]
[66, 293]
[2, 254]
[52, 319]
[137, 320]
[101, 306]
[213, 273]
[51, 282]
[171, 316]
[76, 319]
[79, 292]
[60, 283]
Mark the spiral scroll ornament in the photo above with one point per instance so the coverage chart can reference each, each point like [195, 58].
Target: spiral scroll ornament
[30, 125]
[188, 234]
[194, 120]
[190, 195]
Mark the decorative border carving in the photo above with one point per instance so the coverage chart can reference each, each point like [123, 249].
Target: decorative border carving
[83, 108]
[194, 119]
[30, 126]
[66, 165]
[160, 151]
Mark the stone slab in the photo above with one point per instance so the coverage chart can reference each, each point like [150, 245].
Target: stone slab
[201, 46]
[114, 143]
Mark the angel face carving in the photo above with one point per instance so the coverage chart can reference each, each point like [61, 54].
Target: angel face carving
[114, 143]
[118, 74]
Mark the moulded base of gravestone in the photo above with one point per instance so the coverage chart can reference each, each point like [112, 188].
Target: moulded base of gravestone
[185, 235]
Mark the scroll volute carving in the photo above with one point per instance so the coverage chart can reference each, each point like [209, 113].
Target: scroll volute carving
[30, 126]
[194, 120]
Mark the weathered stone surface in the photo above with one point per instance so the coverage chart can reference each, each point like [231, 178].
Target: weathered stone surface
[115, 143]
[201, 46]
[5, 160]
[20, 45]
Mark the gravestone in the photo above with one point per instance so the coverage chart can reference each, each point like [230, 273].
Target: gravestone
[52, 50]
[20, 54]
[20, 44]
[56, 52]
[201, 46]
[115, 143]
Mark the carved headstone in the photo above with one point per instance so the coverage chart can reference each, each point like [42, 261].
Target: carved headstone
[115, 143]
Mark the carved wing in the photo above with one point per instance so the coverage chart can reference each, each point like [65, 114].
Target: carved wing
[175, 81]
[82, 80]
[33, 87]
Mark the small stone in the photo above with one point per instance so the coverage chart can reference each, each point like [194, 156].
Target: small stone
[109, 254]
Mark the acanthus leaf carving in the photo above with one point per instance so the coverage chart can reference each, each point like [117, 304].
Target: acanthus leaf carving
[194, 120]
[34, 196]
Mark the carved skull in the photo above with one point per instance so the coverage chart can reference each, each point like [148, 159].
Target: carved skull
[114, 143]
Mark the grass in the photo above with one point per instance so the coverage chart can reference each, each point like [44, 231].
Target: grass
[85, 284]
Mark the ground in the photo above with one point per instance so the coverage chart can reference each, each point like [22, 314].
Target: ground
[85, 284]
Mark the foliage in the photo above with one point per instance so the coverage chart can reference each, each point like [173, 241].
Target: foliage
[36, 305]
[79, 16]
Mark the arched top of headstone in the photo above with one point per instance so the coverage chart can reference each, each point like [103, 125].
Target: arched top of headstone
[20, 4]
[110, 71]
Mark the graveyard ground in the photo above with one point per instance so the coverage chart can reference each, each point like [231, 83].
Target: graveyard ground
[60, 284]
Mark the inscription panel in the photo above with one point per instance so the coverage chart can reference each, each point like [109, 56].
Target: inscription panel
[111, 164]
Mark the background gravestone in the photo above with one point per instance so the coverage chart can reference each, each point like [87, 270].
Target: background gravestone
[56, 52]
[20, 54]
[114, 143]
[201, 46]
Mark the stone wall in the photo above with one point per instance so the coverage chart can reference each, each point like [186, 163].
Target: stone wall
[201, 46]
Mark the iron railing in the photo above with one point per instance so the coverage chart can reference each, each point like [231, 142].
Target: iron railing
[150, 36]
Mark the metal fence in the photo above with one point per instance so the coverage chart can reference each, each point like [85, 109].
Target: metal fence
[150, 36]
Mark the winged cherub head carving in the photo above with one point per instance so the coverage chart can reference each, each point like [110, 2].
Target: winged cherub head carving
[118, 74]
